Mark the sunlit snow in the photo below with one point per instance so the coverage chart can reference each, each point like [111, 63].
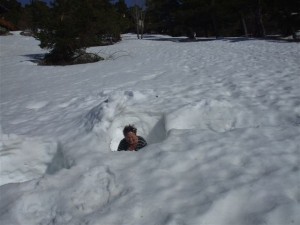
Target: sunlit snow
[221, 118]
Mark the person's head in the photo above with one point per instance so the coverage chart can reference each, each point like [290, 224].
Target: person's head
[129, 132]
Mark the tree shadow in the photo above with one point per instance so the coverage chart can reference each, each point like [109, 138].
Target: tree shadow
[198, 39]
[269, 39]
[236, 39]
[35, 58]
[206, 39]
[178, 39]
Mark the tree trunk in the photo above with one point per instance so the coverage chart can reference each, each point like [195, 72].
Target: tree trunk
[244, 24]
[139, 17]
[141, 27]
[259, 19]
[289, 24]
[213, 18]
[136, 21]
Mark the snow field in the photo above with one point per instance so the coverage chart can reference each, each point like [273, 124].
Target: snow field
[221, 119]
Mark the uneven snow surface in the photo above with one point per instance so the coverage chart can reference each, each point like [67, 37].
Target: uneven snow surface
[222, 120]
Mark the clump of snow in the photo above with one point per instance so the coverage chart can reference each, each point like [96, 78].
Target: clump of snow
[23, 159]
[222, 119]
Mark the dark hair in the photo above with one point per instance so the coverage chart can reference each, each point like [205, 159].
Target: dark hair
[129, 128]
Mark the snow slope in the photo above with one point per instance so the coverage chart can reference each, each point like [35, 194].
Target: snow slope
[222, 119]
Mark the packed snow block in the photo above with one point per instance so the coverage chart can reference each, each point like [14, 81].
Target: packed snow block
[219, 116]
[23, 159]
[205, 114]
[149, 125]
[93, 192]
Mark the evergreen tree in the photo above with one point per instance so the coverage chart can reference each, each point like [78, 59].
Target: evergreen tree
[75, 25]
[37, 11]
[201, 17]
[13, 11]
[256, 18]
[284, 16]
[123, 16]
[162, 16]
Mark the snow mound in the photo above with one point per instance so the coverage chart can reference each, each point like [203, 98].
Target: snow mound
[218, 116]
[82, 195]
[100, 116]
[23, 159]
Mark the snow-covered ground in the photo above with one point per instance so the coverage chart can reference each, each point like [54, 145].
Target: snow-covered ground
[222, 119]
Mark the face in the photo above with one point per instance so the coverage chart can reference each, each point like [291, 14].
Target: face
[131, 138]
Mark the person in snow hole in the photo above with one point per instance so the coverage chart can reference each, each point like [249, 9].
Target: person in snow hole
[131, 142]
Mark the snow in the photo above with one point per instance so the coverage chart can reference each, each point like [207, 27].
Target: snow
[222, 119]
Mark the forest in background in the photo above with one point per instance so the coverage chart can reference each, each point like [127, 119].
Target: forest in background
[221, 18]
[67, 27]
[255, 18]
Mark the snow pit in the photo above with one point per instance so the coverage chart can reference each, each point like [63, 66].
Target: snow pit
[151, 126]
[59, 161]
[116, 111]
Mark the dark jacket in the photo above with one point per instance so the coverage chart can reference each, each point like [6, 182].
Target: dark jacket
[123, 146]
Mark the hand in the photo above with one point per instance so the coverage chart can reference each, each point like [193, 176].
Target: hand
[132, 147]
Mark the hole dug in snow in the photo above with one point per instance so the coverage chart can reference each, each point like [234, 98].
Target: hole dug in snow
[214, 115]
[151, 126]
[59, 161]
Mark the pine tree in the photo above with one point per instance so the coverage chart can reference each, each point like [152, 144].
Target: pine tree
[162, 17]
[75, 25]
[12, 11]
[122, 10]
